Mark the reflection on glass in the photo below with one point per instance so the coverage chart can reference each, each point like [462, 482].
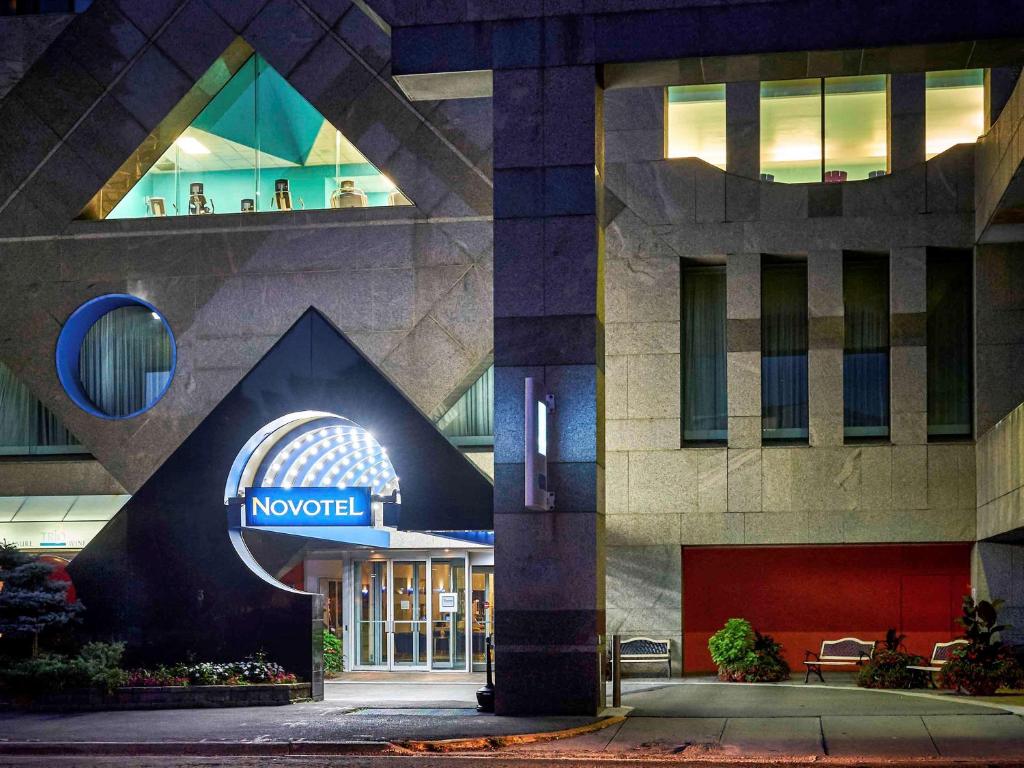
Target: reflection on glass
[483, 612]
[257, 146]
[866, 349]
[371, 605]
[791, 130]
[950, 343]
[705, 413]
[954, 108]
[856, 138]
[409, 612]
[784, 351]
[124, 364]
[696, 122]
[448, 577]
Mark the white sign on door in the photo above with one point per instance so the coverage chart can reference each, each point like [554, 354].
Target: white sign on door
[448, 602]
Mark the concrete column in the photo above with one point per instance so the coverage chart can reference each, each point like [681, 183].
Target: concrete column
[743, 128]
[999, 84]
[548, 323]
[743, 336]
[908, 306]
[998, 574]
[906, 120]
[825, 347]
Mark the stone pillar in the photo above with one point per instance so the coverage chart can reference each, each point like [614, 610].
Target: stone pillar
[906, 120]
[825, 338]
[743, 128]
[997, 572]
[548, 323]
[999, 84]
[743, 337]
[908, 363]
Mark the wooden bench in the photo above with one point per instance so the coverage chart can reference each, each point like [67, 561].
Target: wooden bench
[645, 649]
[844, 652]
[941, 653]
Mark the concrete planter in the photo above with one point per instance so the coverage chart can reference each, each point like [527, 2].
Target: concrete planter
[165, 697]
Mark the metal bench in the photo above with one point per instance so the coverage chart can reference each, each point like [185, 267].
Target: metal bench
[941, 653]
[844, 652]
[645, 649]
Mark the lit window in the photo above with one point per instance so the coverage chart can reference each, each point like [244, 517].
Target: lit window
[954, 108]
[705, 416]
[696, 122]
[866, 348]
[256, 146]
[856, 140]
[950, 343]
[784, 350]
[115, 356]
[26, 425]
[791, 130]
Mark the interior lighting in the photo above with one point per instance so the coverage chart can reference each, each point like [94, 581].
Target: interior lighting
[191, 145]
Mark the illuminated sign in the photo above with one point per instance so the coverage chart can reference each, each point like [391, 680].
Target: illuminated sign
[307, 506]
[537, 405]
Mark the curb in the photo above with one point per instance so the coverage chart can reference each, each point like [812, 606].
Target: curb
[481, 743]
[195, 748]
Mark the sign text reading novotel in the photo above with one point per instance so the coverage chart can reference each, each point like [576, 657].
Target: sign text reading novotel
[307, 506]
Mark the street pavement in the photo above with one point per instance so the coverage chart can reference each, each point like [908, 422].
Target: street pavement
[690, 720]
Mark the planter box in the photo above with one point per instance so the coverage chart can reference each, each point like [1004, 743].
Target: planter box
[165, 697]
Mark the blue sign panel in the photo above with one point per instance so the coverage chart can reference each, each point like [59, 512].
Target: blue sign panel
[307, 506]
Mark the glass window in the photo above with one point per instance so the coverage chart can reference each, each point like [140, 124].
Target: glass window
[26, 425]
[954, 108]
[125, 361]
[856, 135]
[370, 609]
[696, 122]
[866, 349]
[448, 633]
[784, 350]
[483, 613]
[705, 415]
[256, 146]
[950, 343]
[791, 130]
[470, 421]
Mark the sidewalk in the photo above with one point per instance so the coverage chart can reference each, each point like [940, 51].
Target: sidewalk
[691, 721]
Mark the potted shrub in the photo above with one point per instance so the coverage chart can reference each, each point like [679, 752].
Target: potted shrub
[887, 668]
[743, 655]
[984, 664]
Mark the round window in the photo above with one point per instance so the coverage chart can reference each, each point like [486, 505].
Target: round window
[116, 356]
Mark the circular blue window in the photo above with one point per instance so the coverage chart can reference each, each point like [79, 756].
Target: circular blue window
[116, 356]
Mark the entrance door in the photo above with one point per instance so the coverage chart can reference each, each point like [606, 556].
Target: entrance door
[483, 612]
[409, 614]
[448, 627]
[371, 614]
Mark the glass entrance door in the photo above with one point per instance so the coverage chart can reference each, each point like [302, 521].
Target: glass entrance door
[409, 614]
[371, 614]
[483, 612]
[448, 626]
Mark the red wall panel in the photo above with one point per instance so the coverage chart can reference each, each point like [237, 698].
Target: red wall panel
[802, 595]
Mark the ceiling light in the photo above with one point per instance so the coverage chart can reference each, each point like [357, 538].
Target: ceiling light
[191, 145]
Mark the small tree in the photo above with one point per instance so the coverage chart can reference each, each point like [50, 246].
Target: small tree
[31, 601]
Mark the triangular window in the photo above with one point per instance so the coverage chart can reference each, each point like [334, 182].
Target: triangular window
[470, 422]
[26, 425]
[243, 141]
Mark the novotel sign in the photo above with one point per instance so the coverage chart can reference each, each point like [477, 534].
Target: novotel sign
[307, 506]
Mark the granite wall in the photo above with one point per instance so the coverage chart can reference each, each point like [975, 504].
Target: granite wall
[22, 40]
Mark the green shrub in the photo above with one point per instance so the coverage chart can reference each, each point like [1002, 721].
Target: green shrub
[732, 647]
[333, 659]
[97, 666]
[984, 664]
[768, 665]
[888, 669]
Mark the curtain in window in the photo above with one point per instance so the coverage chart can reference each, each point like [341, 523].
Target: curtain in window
[125, 361]
[705, 415]
[26, 425]
[472, 416]
[784, 351]
[950, 346]
[866, 353]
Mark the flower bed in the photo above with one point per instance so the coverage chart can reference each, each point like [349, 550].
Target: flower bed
[249, 672]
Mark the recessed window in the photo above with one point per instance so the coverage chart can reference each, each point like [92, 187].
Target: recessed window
[705, 410]
[27, 427]
[116, 356]
[824, 129]
[950, 343]
[954, 108]
[866, 348]
[470, 422]
[784, 351]
[696, 122]
[256, 146]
